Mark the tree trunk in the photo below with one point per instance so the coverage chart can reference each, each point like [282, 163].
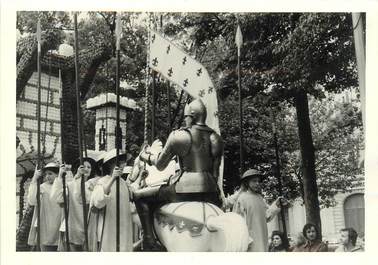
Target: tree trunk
[310, 187]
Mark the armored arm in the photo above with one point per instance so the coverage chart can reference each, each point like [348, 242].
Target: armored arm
[178, 143]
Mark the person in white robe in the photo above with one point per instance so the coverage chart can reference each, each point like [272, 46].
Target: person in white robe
[104, 200]
[50, 212]
[75, 202]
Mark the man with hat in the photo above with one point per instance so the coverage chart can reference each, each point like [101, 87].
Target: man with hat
[199, 150]
[104, 198]
[251, 205]
[50, 213]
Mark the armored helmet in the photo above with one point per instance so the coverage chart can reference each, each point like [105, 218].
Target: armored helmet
[198, 111]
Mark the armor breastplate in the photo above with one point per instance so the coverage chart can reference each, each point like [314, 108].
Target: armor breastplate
[197, 164]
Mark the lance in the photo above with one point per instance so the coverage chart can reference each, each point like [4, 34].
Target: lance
[65, 203]
[39, 135]
[277, 171]
[79, 129]
[118, 133]
[239, 43]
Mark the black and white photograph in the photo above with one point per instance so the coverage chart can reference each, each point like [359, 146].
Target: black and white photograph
[172, 131]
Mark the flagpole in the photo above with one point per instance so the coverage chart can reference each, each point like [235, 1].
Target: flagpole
[153, 94]
[118, 136]
[146, 114]
[39, 136]
[168, 86]
[153, 106]
[78, 110]
[169, 106]
[239, 42]
[65, 204]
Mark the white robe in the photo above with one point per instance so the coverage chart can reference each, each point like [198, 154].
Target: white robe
[50, 214]
[75, 206]
[106, 224]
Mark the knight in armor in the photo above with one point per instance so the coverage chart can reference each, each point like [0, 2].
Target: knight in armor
[199, 150]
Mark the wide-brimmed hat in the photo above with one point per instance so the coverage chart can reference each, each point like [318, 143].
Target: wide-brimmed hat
[76, 163]
[251, 173]
[54, 166]
[127, 170]
[112, 154]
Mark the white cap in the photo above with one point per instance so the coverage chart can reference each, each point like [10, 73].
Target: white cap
[112, 154]
[51, 165]
[127, 170]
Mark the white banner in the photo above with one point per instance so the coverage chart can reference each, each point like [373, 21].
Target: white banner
[181, 69]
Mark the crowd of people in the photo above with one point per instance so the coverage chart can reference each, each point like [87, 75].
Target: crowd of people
[100, 190]
[198, 150]
[249, 202]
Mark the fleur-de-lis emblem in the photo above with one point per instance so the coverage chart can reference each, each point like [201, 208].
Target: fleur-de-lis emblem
[153, 38]
[181, 225]
[186, 82]
[184, 60]
[170, 72]
[155, 62]
[210, 90]
[199, 72]
[201, 93]
[168, 49]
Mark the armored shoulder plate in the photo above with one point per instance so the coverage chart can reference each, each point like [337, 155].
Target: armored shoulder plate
[180, 141]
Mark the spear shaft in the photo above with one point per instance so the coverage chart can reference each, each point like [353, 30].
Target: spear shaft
[39, 135]
[79, 129]
[239, 43]
[65, 204]
[118, 140]
[278, 175]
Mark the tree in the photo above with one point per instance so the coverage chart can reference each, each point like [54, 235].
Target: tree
[292, 55]
[50, 20]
